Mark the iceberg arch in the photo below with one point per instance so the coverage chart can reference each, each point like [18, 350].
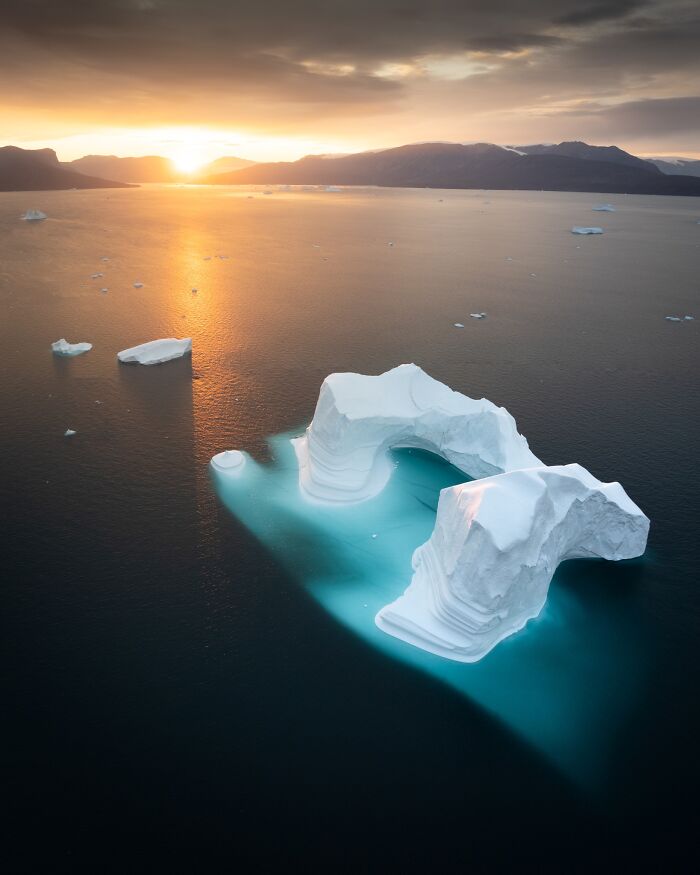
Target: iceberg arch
[486, 569]
[343, 456]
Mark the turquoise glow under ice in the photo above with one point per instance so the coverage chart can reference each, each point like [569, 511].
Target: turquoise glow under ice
[563, 684]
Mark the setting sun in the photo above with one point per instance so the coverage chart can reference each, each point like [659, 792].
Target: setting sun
[189, 161]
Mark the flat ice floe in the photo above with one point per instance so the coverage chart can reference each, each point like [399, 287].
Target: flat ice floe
[603, 208]
[34, 216]
[155, 352]
[343, 457]
[577, 229]
[63, 348]
[486, 569]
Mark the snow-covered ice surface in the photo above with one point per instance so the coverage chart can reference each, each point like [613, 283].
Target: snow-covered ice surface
[486, 569]
[577, 229]
[34, 216]
[62, 347]
[343, 457]
[155, 352]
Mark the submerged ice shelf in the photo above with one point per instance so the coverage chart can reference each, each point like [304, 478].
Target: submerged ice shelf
[486, 569]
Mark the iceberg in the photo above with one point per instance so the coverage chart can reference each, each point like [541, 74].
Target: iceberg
[579, 230]
[34, 216]
[69, 432]
[603, 208]
[343, 456]
[155, 352]
[62, 347]
[486, 569]
[138, 285]
[478, 315]
[229, 462]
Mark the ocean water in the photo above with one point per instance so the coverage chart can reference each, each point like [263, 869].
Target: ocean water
[179, 687]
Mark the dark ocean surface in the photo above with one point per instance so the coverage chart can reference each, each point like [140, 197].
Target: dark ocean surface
[174, 697]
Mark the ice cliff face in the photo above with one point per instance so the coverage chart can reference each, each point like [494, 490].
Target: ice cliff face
[343, 457]
[486, 569]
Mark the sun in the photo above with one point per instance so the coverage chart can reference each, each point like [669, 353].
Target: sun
[188, 161]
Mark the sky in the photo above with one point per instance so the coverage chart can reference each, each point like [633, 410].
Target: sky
[278, 79]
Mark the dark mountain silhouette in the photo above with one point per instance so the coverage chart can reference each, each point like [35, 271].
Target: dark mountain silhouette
[577, 149]
[39, 170]
[482, 165]
[677, 167]
[149, 168]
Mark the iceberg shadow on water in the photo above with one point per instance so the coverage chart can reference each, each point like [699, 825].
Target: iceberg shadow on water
[564, 684]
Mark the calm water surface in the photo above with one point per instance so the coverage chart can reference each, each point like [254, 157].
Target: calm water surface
[172, 694]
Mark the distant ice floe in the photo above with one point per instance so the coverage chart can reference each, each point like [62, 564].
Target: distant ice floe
[478, 315]
[156, 352]
[333, 188]
[603, 208]
[458, 325]
[63, 348]
[138, 285]
[34, 216]
[577, 229]
[679, 318]
[69, 432]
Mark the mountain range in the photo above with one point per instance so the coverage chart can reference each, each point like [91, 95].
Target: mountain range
[564, 167]
[40, 170]
[567, 166]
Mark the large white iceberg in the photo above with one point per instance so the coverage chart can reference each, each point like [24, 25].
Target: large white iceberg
[343, 456]
[62, 347]
[486, 569]
[155, 352]
[577, 229]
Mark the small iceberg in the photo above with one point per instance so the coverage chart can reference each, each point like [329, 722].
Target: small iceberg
[63, 348]
[34, 216]
[104, 291]
[155, 352]
[673, 318]
[688, 318]
[333, 188]
[603, 208]
[577, 229]
[458, 325]
[138, 285]
[228, 462]
[96, 276]
[69, 432]
[478, 315]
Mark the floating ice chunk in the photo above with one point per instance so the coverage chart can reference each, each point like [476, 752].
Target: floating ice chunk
[478, 315]
[207, 258]
[194, 291]
[104, 258]
[138, 285]
[390, 243]
[673, 318]
[486, 569]
[603, 208]
[333, 188]
[229, 462]
[155, 352]
[458, 325]
[104, 291]
[34, 216]
[63, 348]
[343, 456]
[577, 229]
[69, 432]
[96, 276]
[689, 318]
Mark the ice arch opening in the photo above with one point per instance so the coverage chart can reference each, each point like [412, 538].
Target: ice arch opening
[343, 456]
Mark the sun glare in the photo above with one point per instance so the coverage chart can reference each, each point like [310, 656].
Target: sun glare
[188, 161]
